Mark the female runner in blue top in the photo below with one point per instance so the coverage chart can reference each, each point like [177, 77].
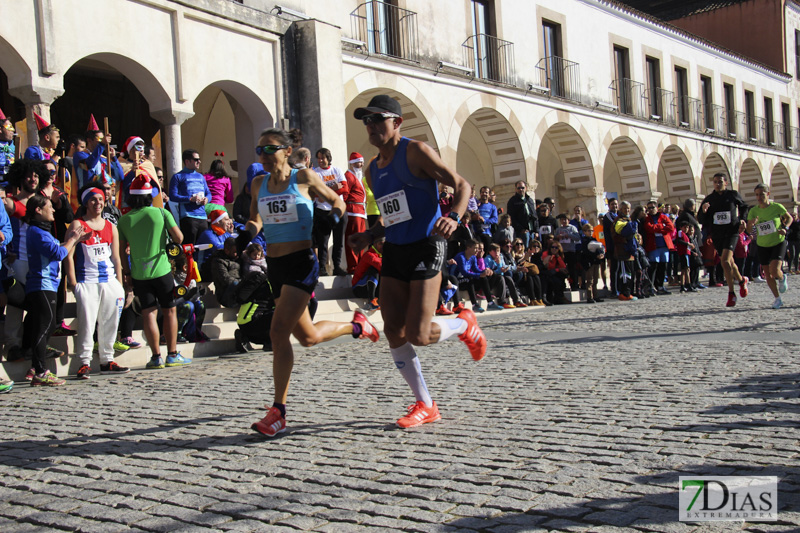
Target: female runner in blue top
[281, 206]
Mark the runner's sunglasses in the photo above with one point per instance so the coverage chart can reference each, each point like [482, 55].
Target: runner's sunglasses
[377, 117]
[270, 149]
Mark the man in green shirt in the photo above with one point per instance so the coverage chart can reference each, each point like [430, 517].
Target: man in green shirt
[147, 268]
[772, 223]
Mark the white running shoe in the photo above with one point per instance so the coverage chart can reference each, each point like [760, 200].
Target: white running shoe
[778, 303]
[783, 284]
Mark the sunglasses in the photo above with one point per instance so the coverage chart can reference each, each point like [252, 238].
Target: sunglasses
[520, 188]
[269, 149]
[196, 159]
[554, 247]
[518, 244]
[377, 117]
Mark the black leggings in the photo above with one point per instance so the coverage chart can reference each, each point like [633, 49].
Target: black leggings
[40, 321]
[126, 322]
[470, 284]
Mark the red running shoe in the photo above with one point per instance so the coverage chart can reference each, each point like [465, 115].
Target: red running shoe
[368, 331]
[743, 287]
[443, 311]
[473, 337]
[458, 308]
[419, 414]
[731, 300]
[272, 424]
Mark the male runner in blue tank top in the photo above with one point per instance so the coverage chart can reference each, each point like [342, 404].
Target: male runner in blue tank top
[404, 179]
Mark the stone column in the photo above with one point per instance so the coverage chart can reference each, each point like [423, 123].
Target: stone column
[36, 99]
[171, 120]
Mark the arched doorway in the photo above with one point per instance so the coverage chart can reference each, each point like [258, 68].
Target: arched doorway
[625, 172]
[675, 179]
[712, 165]
[749, 177]
[780, 187]
[228, 118]
[564, 170]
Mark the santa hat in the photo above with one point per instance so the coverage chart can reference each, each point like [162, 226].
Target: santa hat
[141, 185]
[88, 193]
[40, 122]
[92, 124]
[131, 142]
[355, 157]
[217, 216]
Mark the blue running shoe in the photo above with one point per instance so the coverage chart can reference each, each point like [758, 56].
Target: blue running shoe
[155, 363]
[494, 307]
[478, 309]
[178, 360]
[783, 284]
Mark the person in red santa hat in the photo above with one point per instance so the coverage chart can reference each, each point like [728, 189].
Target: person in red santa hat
[356, 203]
[48, 140]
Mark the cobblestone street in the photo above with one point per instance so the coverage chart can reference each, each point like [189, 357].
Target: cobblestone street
[580, 418]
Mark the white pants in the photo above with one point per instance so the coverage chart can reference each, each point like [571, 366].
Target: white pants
[13, 329]
[101, 304]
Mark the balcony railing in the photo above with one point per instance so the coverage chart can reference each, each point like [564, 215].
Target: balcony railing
[758, 130]
[660, 105]
[690, 113]
[777, 136]
[490, 58]
[794, 138]
[737, 125]
[386, 30]
[715, 119]
[628, 95]
[561, 76]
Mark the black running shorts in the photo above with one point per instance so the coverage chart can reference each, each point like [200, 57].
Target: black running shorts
[415, 261]
[156, 290]
[298, 269]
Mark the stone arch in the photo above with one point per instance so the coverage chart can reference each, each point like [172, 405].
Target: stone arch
[675, 178]
[416, 124]
[625, 171]
[780, 186]
[713, 164]
[565, 170]
[222, 107]
[15, 67]
[749, 177]
[420, 120]
[147, 83]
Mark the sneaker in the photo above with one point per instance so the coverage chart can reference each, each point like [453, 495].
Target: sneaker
[6, 386]
[114, 368]
[84, 371]
[240, 342]
[177, 360]
[368, 331]
[538, 303]
[509, 306]
[743, 287]
[47, 379]
[30, 374]
[722, 285]
[121, 347]
[589, 300]
[778, 303]
[521, 304]
[493, 307]
[373, 305]
[54, 353]
[272, 424]
[473, 337]
[130, 342]
[731, 300]
[758, 279]
[443, 311]
[700, 286]
[155, 363]
[64, 331]
[477, 309]
[624, 298]
[458, 308]
[783, 284]
[419, 414]
[180, 339]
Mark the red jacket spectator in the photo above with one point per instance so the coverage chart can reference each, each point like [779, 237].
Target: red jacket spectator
[662, 226]
[369, 259]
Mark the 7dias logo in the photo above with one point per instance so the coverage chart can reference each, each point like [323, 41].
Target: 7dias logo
[722, 498]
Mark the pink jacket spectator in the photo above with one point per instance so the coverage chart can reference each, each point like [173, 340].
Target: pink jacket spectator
[740, 251]
[221, 189]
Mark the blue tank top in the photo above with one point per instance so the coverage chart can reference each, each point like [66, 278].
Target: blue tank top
[409, 204]
[287, 216]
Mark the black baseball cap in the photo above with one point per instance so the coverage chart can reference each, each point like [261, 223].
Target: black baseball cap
[382, 103]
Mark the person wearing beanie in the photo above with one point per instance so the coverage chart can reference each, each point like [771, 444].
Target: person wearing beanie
[147, 270]
[356, 201]
[220, 228]
[94, 275]
[48, 140]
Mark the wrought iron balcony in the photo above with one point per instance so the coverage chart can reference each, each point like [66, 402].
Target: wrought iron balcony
[628, 95]
[386, 30]
[690, 113]
[561, 76]
[715, 120]
[660, 104]
[490, 58]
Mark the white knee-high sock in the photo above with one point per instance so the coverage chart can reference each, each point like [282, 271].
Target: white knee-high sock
[407, 362]
[450, 327]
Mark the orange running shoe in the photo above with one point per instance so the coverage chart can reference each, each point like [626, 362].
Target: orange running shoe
[473, 337]
[443, 311]
[508, 306]
[368, 331]
[272, 424]
[458, 308]
[731, 300]
[743, 287]
[419, 414]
